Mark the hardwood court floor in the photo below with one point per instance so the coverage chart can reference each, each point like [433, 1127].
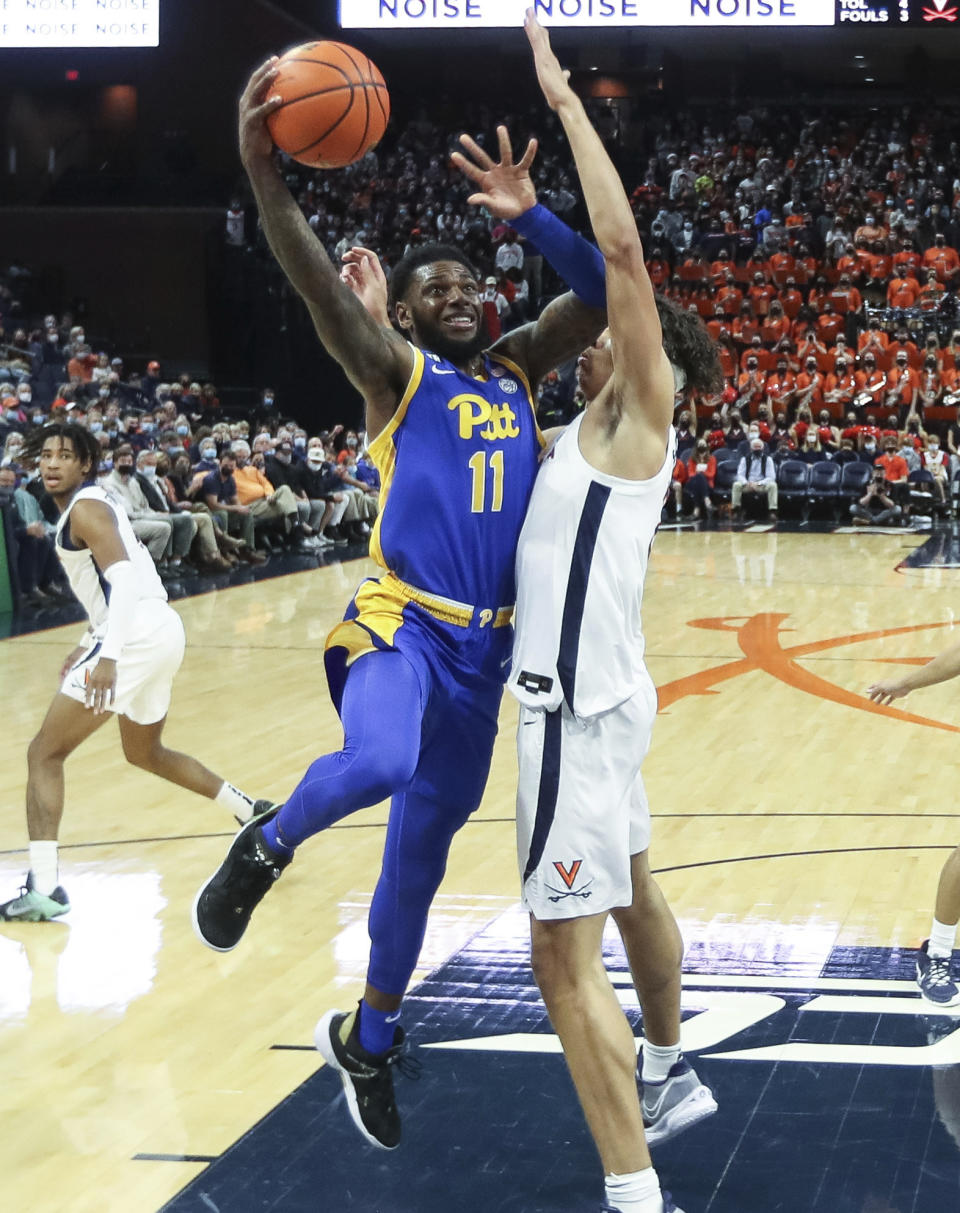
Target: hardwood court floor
[790, 817]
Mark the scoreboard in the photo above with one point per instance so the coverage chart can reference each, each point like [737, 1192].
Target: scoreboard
[79, 23]
[700, 14]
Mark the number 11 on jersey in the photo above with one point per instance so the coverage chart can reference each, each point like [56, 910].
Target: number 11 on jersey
[478, 466]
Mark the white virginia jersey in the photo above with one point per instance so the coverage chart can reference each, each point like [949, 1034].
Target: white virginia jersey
[581, 564]
[86, 579]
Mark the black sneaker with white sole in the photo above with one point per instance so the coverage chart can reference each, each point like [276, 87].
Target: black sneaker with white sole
[367, 1077]
[935, 979]
[223, 906]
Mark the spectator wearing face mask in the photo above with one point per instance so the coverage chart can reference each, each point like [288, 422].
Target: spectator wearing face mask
[812, 450]
[903, 385]
[934, 461]
[943, 259]
[39, 573]
[280, 469]
[182, 522]
[153, 529]
[219, 494]
[268, 504]
[756, 478]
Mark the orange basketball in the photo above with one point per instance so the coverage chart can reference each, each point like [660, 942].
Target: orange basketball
[335, 104]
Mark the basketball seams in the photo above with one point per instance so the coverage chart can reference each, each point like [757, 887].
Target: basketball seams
[361, 146]
[363, 128]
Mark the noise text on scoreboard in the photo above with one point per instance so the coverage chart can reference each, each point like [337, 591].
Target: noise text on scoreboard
[617, 10]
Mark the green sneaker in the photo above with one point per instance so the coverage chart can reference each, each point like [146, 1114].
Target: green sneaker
[32, 906]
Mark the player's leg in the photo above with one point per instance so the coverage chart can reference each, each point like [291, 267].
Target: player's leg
[459, 728]
[934, 975]
[380, 711]
[673, 1098]
[67, 723]
[143, 747]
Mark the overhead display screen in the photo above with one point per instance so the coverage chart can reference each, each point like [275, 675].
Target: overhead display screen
[79, 23]
[700, 14]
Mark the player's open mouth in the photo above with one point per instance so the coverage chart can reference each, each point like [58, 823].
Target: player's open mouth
[462, 324]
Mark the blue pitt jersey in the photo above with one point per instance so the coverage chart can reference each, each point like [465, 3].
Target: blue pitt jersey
[457, 464]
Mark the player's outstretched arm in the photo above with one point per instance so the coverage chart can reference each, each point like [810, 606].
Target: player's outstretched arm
[944, 666]
[576, 318]
[643, 379]
[377, 361]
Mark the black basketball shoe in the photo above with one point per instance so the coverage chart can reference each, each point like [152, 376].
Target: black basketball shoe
[222, 907]
[367, 1077]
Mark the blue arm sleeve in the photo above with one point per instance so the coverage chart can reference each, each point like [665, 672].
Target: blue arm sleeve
[578, 262]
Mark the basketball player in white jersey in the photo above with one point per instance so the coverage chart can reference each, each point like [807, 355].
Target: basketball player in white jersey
[588, 703]
[124, 664]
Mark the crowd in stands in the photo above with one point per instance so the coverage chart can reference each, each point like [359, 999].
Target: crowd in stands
[203, 493]
[819, 248]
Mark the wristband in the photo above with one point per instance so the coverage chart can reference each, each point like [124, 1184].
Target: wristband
[578, 262]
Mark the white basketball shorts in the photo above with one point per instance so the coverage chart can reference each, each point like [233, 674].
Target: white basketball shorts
[581, 806]
[147, 666]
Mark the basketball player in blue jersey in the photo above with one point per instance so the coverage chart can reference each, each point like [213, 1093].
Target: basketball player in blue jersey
[124, 664]
[417, 667]
[587, 701]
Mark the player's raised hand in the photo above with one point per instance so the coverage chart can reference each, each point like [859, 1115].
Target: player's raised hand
[554, 80]
[506, 189]
[887, 692]
[363, 274]
[256, 104]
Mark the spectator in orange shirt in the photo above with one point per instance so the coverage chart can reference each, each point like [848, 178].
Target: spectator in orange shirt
[719, 325]
[870, 230]
[845, 297]
[728, 358]
[780, 389]
[879, 266]
[932, 292]
[942, 258]
[730, 296]
[818, 294]
[764, 357]
[81, 364]
[871, 383]
[750, 383]
[256, 492]
[782, 265]
[903, 385]
[906, 260]
[760, 295]
[902, 292]
[839, 388]
[757, 265]
[850, 264]
[745, 326]
[696, 485]
[902, 343]
[775, 326]
[929, 387]
[723, 269]
[791, 299]
[873, 338]
[658, 268]
[829, 324]
[809, 385]
[895, 470]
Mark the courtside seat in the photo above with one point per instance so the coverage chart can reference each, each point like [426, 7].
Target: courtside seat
[825, 484]
[793, 482]
[854, 480]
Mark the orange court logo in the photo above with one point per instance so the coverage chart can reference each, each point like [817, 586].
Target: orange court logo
[760, 640]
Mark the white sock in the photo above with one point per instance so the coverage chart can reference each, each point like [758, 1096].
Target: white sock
[657, 1060]
[43, 865]
[236, 801]
[638, 1192]
[942, 938]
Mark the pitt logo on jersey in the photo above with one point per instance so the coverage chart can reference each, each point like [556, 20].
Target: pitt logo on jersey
[498, 420]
